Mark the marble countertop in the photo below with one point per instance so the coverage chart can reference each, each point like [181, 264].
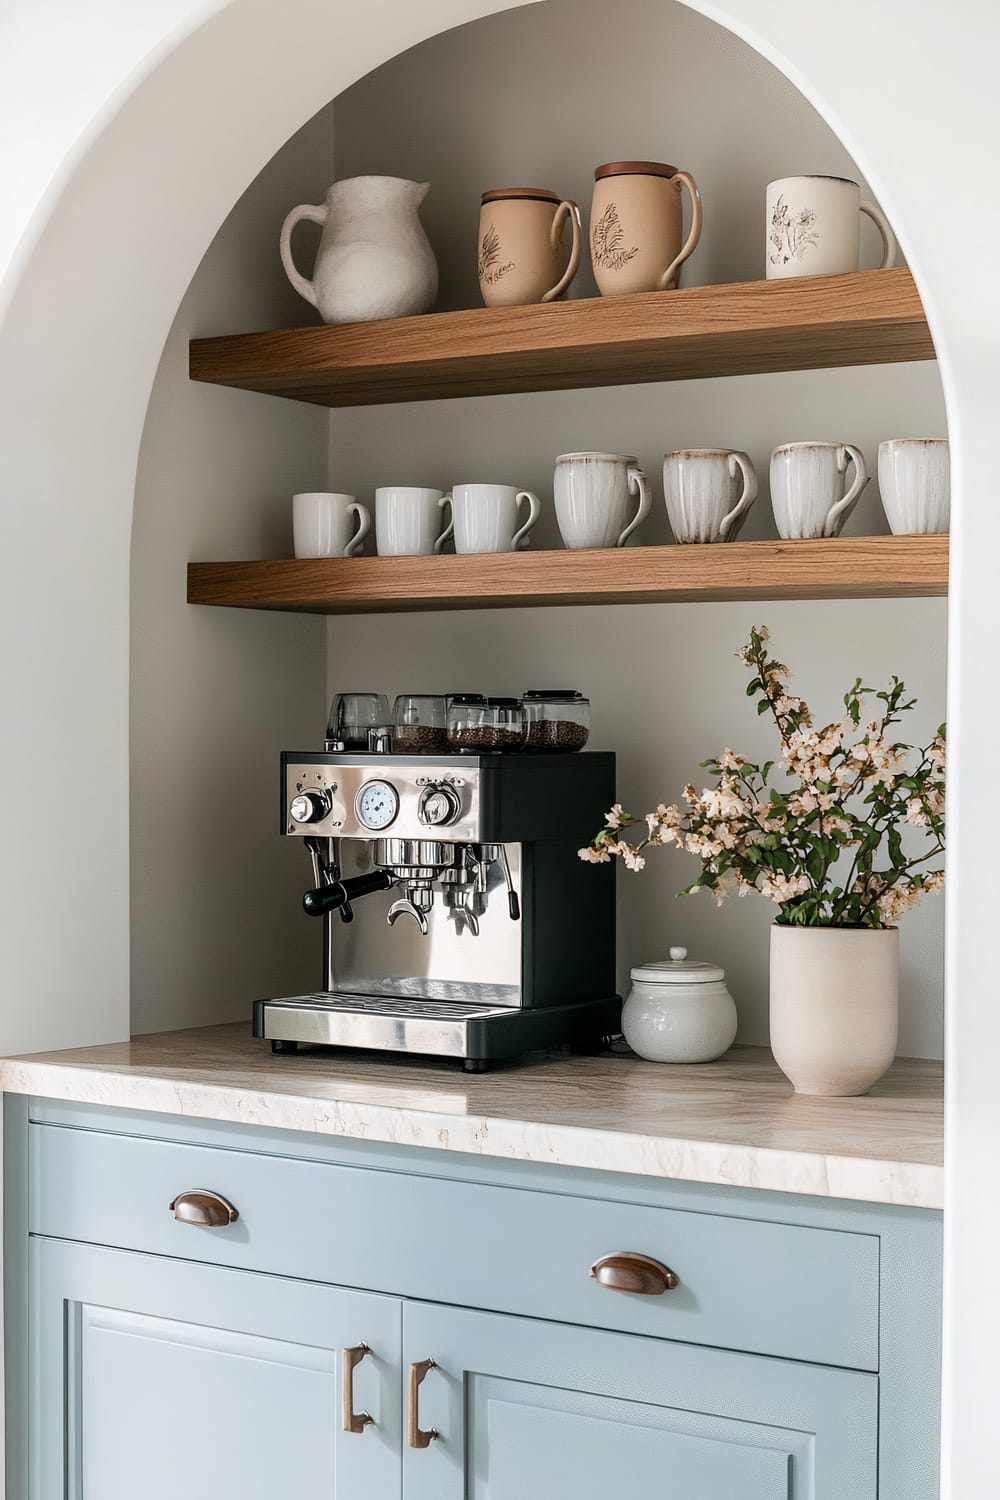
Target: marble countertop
[734, 1123]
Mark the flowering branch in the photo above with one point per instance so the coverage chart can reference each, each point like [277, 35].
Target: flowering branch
[856, 789]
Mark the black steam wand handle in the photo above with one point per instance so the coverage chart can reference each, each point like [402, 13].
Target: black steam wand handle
[330, 897]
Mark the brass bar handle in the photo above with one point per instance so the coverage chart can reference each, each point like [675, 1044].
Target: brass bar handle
[202, 1206]
[353, 1421]
[417, 1436]
[628, 1271]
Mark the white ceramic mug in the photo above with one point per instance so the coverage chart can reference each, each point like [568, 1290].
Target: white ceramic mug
[914, 478]
[813, 227]
[408, 521]
[809, 492]
[487, 515]
[708, 493]
[593, 495]
[322, 524]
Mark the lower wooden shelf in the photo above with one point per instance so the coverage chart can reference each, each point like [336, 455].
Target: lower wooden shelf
[866, 567]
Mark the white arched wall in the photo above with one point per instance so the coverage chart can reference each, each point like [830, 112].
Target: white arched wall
[154, 125]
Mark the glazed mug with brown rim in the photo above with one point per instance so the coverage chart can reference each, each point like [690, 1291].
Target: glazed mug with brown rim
[636, 226]
[523, 255]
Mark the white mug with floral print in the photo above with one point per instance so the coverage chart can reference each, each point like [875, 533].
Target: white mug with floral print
[813, 227]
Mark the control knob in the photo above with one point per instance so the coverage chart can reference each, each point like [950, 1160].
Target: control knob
[439, 805]
[310, 807]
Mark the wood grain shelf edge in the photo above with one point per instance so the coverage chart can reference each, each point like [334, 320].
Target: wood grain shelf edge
[841, 568]
[736, 328]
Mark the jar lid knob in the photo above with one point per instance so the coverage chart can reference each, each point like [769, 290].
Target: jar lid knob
[678, 955]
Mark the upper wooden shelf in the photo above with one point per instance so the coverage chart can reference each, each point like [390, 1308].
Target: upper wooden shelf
[865, 567]
[739, 328]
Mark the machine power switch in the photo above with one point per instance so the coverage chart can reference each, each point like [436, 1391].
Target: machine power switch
[310, 807]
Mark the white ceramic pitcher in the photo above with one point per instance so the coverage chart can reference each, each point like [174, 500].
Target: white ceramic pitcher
[374, 259]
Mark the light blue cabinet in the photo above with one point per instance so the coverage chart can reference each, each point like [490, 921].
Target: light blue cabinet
[148, 1359]
[155, 1379]
[533, 1411]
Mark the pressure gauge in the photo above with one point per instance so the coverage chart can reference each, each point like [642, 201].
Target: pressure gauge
[376, 804]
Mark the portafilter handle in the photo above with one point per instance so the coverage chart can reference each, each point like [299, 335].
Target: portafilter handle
[328, 898]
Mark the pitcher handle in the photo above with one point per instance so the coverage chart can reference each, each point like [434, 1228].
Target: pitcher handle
[364, 526]
[317, 213]
[449, 530]
[839, 512]
[520, 538]
[566, 210]
[638, 484]
[739, 463]
[878, 218]
[679, 179]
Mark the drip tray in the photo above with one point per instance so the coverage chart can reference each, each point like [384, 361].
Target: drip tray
[438, 1028]
[393, 1007]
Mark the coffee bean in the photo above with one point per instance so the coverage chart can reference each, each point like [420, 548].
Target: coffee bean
[556, 735]
[486, 737]
[419, 739]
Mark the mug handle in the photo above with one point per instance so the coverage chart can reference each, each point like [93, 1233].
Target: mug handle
[739, 463]
[450, 528]
[638, 484]
[364, 526]
[669, 278]
[839, 512]
[566, 210]
[878, 218]
[520, 538]
[317, 214]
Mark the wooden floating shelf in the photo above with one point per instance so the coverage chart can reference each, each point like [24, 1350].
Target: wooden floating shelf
[866, 567]
[740, 328]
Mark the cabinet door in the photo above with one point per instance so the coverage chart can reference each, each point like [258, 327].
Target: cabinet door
[527, 1410]
[160, 1378]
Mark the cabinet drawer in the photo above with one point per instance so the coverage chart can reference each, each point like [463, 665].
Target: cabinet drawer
[746, 1284]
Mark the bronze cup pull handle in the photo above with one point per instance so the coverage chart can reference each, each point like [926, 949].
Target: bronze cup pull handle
[628, 1271]
[202, 1206]
[418, 1437]
[353, 1421]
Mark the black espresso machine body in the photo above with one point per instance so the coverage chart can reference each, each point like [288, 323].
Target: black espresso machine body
[458, 919]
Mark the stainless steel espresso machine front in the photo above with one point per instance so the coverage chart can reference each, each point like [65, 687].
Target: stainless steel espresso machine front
[457, 918]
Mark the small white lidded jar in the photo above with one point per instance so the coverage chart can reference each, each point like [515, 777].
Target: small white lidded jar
[679, 1011]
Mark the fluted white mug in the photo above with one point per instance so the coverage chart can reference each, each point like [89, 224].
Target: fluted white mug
[813, 227]
[810, 495]
[487, 517]
[708, 493]
[593, 495]
[408, 520]
[322, 524]
[914, 479]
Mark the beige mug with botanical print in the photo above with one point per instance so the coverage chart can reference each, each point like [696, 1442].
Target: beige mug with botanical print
[523, 254]
[636, 226]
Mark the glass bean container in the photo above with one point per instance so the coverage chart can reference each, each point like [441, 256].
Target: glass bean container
[466, 715]
[478, 726]
[679, 1011]
[558, 720]
[419, 724]
[352, 716]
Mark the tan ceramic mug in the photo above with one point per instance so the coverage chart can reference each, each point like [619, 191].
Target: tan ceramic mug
[636, 226]
[523, 256]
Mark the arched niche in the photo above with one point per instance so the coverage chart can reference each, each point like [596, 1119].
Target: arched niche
[192, 100]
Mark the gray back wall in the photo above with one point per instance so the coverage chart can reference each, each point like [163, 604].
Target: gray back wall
[539, 97]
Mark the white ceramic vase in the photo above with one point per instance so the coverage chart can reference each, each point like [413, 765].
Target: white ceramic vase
[834, 1000]
[374, 259]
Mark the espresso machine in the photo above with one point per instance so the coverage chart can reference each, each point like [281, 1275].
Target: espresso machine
[458, 920]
